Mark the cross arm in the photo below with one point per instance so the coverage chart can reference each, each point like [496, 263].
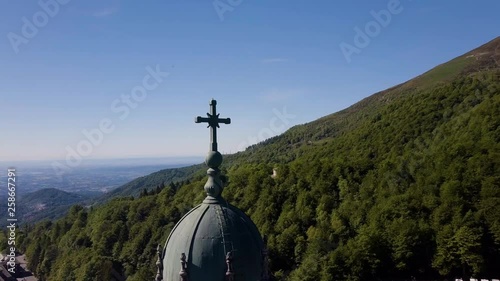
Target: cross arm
[225, 120]
[200, 119]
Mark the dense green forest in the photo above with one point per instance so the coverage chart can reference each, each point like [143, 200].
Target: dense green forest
[405, 183]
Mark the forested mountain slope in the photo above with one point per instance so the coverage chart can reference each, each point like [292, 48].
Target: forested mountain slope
[53, 202]
[404, 183]
[281, 149]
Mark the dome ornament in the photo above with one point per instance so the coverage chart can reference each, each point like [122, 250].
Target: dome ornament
[159, 265]
[229, 263]
[183, 273]
[214, 185]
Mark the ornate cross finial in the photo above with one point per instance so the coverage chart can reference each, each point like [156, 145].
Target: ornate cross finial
[214, 185]
[213, 121]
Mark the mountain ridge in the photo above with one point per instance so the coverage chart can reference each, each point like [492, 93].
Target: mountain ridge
[490, 48]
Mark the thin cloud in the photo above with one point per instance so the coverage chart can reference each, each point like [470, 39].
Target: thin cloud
[105, 12]
[106, 8]
[273, 60]
[429, 9]
[101, 9]
[276, 95]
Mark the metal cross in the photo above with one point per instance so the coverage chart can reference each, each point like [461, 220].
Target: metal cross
[213, 121]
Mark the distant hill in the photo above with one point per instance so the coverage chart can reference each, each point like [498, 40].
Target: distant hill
[86, 185]
[47, 203]
[403, 183]
[151, 181]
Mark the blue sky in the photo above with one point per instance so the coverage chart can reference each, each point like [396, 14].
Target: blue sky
[270, 65]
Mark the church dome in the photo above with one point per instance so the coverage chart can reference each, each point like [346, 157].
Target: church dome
[205, 236]
[215, 241]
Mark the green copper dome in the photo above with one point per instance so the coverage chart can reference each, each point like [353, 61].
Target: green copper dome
[215, 241]
[205, 236]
